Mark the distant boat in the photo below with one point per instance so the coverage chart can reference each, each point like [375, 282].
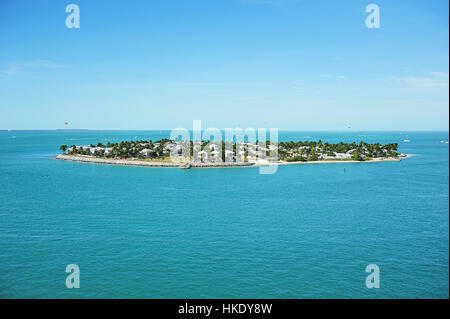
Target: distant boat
[9, 130]
[446, 142]
[406, 141]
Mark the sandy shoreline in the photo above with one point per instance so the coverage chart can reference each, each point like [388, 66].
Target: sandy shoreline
[205, 165]
[377, 160]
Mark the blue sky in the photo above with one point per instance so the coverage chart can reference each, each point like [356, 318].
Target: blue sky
[159, 64]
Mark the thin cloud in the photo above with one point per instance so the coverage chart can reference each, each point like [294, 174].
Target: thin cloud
[435, 80]
[18, 68]
[440, 74]
[330, 76]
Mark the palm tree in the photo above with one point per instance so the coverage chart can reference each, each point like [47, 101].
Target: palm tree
[63, 148]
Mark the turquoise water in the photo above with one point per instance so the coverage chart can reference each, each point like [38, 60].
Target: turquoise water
[307, 231]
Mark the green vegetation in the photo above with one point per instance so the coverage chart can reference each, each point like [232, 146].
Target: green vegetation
[296, 159]
[208, 151]
[314, 151]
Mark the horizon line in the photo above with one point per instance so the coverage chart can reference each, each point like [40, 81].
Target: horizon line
[281, 130]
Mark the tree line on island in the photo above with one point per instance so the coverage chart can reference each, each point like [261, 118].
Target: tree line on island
[300, 151]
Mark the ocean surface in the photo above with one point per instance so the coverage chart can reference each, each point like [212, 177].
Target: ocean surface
[308, 231]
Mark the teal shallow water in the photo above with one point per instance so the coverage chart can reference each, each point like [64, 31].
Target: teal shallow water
[307, 231]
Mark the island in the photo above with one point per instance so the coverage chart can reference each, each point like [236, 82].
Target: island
[170, 153]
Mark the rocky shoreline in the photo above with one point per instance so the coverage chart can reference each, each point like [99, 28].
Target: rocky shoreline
[94, 160]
